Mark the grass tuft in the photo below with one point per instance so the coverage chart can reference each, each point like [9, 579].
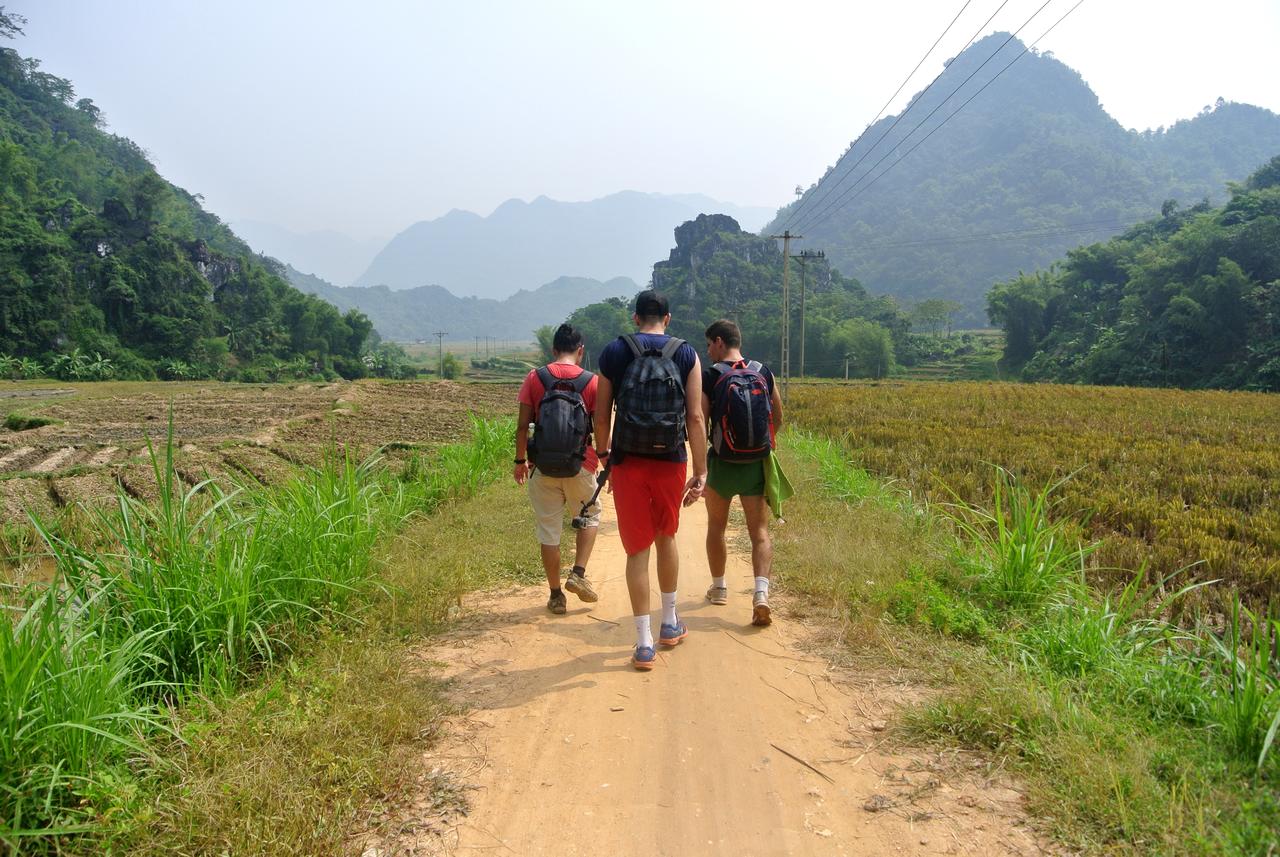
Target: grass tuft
[184, 600]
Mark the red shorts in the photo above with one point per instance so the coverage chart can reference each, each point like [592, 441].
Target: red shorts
[647, 495]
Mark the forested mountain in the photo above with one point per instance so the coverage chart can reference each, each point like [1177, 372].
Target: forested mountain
[332, 256]
[1190, 299]
[107, 270]
[1034, 155]
[522, 245]
[717, 270]
[408, 315]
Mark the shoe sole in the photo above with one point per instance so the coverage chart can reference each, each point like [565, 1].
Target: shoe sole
[717, 600]
[643, 666]
[672, 641]
[760, 615]
[583, 594]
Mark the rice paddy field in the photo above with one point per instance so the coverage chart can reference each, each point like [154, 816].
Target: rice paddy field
[1172, 479]
[85, 440]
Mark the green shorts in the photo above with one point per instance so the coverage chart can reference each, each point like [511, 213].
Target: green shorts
[729, 478]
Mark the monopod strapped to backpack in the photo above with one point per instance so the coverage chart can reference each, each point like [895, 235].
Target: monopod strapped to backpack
[651, 400]
[741, 407]
[563, 428]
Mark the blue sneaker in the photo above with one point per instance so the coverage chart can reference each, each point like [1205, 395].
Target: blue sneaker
[643, 657]
[671, 635]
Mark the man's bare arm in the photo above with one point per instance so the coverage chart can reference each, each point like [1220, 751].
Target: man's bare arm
[604, 413]
[697, 431]
[525, 417]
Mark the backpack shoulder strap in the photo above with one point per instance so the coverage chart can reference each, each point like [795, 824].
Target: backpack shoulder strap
[580, 383]
[723, 366]
[673, 345]
[633, 342]
[755, 365]
[548, 380]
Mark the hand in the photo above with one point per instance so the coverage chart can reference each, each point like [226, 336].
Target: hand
[520, 473]
[693, 489]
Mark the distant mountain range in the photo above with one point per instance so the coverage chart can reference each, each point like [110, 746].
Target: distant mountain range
[524, 244]
[1029, 169]
[331, 255]
[409, 315]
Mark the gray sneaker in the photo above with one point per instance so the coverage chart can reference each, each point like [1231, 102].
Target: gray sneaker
[760, 610]
[718, 594]
[581, 587]
[556, 603]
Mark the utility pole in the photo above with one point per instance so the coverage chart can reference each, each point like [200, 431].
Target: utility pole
[786, 237]
[804, 257]
[440, 335]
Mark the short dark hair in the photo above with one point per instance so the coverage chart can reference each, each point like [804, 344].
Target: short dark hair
[728, 331]
[651, 304]
[567, 339]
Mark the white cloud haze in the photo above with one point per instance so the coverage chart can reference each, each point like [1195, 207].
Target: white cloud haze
[363, 118]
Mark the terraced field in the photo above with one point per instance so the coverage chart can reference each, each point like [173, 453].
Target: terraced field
[97, 440]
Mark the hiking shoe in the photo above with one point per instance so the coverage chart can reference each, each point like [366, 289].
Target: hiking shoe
[581, 587]
[643, 657]
[718, 594]
[760, 610]
[556, 603]
[671, 635]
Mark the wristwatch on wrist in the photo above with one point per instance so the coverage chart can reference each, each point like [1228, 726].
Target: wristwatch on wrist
[604, 454]
[518, 461]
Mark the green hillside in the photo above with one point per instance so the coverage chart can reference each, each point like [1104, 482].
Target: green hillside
[1030, 168]
[108, 270]
[1190, 299]
[718, 270]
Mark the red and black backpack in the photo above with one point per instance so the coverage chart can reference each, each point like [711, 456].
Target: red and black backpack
[741, 407]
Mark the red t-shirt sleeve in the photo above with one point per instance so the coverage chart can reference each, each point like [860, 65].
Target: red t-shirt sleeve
[589, 394]
[531, 390]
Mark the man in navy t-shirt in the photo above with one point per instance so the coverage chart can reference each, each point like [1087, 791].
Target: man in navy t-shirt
[649, 487]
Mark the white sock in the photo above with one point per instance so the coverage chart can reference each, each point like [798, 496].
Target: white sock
[644, 634]
[718, 582]
[762, 585]
[669, 608]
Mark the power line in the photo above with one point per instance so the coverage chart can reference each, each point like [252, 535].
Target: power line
[853, 192]
[832, 189]
[1007, 235]
[817, 218]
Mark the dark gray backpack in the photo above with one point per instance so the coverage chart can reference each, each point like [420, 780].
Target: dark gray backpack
[563, 427]
[650, 400]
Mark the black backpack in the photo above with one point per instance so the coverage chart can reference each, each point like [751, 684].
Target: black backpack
[740, 410]
[650, 400]
[563, 428]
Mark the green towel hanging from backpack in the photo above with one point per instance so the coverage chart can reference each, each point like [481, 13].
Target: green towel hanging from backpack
[777, 487]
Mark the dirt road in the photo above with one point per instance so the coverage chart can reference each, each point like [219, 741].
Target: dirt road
[566, 750]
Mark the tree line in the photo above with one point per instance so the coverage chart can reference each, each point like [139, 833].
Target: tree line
[108, 270]
[717, 270]
[1188, 299]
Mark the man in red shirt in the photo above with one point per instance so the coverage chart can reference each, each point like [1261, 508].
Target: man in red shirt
[550, 495]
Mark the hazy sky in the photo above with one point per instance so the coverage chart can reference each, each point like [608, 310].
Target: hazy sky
[366, 117]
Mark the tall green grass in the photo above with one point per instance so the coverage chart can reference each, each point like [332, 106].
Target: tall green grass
[1135, 732]
[196, 593]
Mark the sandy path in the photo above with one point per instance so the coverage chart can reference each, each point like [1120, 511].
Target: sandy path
[569, 751]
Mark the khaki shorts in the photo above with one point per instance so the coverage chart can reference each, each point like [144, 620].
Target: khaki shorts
[551, 495]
